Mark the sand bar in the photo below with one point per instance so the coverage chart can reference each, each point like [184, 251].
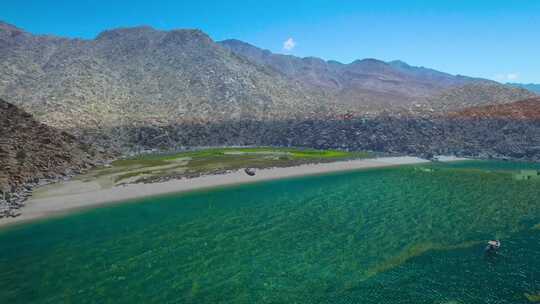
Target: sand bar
[73, 195]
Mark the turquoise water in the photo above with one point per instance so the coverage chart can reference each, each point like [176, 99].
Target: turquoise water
[393, 235]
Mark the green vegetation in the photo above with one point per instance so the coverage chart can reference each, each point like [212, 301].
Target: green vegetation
[207, 161]
[533, 298]
[527, 175]
[288, 153]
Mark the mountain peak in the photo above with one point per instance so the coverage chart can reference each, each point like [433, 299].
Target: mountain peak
[152, 34]
[187, 36]
[370, 61]
[369, 64]
[235, 42]
[399, 64]
[114, 33]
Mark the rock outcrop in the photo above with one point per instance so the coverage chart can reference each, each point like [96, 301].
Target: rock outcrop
[474, 95]
[32, 153]
[528, 109]
[422, 136]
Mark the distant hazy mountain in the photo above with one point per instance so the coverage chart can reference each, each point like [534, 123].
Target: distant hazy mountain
[370, 74]
[142, 76]
[375, 83]
[533, 87]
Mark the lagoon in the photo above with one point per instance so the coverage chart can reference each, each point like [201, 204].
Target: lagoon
[409, 234]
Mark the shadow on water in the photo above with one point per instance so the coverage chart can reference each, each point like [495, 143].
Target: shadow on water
[394, 235]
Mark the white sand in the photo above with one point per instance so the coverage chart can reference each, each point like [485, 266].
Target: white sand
[72, 195]
[449, 158]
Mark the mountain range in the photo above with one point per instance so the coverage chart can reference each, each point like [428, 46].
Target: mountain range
[374, 84]
[142, 76]
[139, 75]
[74, 102]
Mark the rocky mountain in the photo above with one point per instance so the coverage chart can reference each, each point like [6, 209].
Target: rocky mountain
[372, 84]
[138, 88]
[471, 95]
[533, 87]
[140, 75]
[310, 70]
[366, 74]
[31, 153]
[145, 76]
[528, 109]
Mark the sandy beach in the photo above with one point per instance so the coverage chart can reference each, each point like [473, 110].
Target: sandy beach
[68, 196]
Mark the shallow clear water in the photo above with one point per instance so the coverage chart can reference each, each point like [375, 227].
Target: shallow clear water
[393, 235]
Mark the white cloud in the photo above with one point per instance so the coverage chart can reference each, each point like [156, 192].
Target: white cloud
[507, 77]
[289, 44]
[512, 76]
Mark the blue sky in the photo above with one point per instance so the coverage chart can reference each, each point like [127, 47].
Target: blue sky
[493, 39]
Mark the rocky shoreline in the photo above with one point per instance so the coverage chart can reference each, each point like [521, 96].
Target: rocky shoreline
[32, 154]
[12, 201]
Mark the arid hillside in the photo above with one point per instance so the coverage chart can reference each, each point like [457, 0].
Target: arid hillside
[528, 109]
[31, 151]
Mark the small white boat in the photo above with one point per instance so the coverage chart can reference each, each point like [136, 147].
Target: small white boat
[493, 245]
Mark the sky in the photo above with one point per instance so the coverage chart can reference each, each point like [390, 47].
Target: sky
[492, 39]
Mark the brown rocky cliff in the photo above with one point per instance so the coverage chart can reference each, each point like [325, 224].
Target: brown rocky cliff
[528, 109]
[31, 151]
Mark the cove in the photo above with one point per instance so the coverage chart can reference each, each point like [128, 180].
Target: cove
[410, 234]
